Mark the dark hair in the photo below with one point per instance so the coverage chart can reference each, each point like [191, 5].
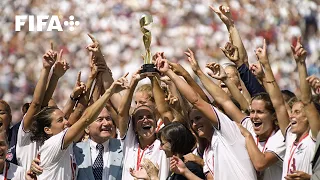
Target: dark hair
[25, 108]
[266, 98]
[180, 137]
[287, 95]
[41, 120]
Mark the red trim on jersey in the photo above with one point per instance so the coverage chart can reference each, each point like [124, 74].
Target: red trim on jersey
[264, 146]
[292, 151]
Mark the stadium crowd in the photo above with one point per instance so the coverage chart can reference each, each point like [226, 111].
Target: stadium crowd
[235, 94]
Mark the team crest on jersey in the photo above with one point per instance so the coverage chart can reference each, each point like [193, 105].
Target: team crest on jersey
[300, 149]
[9, 156]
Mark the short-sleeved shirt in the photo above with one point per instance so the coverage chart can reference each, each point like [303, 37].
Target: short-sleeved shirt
[274, 144]
[57, 163]
[298, 154]
[26, 150]
[231, 159]
[132, 153]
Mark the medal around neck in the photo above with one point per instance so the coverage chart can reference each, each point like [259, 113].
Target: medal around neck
[148, 66]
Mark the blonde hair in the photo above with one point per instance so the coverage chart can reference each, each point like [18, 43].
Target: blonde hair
[146, 88]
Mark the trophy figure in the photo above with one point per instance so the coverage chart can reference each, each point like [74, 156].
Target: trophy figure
[148, 66]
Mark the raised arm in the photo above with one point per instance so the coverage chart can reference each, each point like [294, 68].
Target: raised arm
[273, 89]
[107, 78]
[224, 14]
[300, 55]
[92, 112]
[84, 100]
[215, 91]
[187, 91]
[78, 90]
[219, 73]
[59, 69]
[179, 70]
[162, 105]
[125, 104]
[251, 83]
[48, 60]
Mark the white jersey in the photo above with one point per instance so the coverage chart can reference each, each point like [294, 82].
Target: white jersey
[14, 172]
[133, 155]
[56, 162]
[231, 159]
[274, 144]
[26, 150]
[208, 160]
[298, 154]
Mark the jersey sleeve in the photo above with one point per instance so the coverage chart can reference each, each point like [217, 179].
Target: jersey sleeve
[23, 136]
[52, 149]
[228, 129]
[129, 139]
[277, 145]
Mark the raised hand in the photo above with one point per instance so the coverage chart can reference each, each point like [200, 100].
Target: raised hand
[61, 66]
[177, 68]
[194, 64]
[224, 14]
[177, 165]
[231, 52]
[299, 53]
[217, 71]
[171, 99]
[262, 54]
[96, 50]
[120, 84]
[162, 65]
[256, 69]
[314, 82]
[49, 58]
[79, 88]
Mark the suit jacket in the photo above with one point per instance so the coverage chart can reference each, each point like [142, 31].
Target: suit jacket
[82, 155]
[316, 161]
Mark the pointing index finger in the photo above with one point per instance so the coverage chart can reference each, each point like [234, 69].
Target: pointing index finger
[79, 78]
[92, 38]
[60, 55]
[51, 45]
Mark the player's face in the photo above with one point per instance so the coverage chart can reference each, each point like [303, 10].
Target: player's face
[298, 119]
[6, 118]
[261, 118]
[102, 128]
[200, 124]
[232, 73]
[145, 123]
[143, 98]
[166, 147]
[58, 122]
[3, 147]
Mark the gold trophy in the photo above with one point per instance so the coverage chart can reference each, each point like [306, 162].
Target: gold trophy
[148, 66]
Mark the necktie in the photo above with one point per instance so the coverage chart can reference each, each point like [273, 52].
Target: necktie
[98, 163]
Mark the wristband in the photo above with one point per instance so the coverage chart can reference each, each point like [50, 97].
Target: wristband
[73, 99]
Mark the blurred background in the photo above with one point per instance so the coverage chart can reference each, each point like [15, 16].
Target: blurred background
[178, 25]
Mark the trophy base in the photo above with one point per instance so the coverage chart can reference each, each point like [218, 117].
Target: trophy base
[149, 68]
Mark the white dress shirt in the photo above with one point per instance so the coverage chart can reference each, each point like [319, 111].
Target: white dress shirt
[94, 155]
